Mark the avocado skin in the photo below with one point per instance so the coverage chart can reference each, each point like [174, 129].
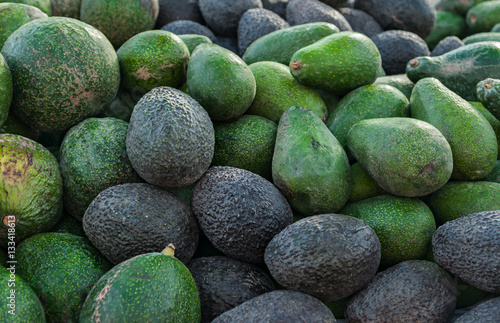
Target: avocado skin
[399, 81]
[447, 24]
[193, 40]
[471, 137]
[239, 211]
[483, 16]
[135, 218]
[279, 306]
[488, 93]
[411, 290]
[363, 186]
[304, 11]
[328, 256]
[494, 122]
[447, 45]
[361, 22]
[465, 246]
[494, 176]
[482, 313]
[224, 283]
[170, 138]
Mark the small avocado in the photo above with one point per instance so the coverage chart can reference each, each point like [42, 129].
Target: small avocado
[488, 93]
[300, 12]
[447, 45]
[175, 10]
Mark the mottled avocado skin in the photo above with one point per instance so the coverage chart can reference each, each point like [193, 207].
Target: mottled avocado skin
[414, 290]
[328, 256]
[224, 283]
[279, 306]
[468, 248]
[483, 313]
[488, 93]
[135, 218]
[239, 211]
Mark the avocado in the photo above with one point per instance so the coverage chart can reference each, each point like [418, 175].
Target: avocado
[309, 165]
[403, 225]
[461, 69]
[93, 157]
[483, 16]
[328, 256]
[15, 126]
[276, 6]
[494, 122]
[279, 306]
[193, 40]
[468, 295]
[458, 7]
[69, 224]
[14, 15]
[494, 176]
[277, 90]
[61, 268]
[447, 24]
[229, 43]
[279, 46]
[447, 45]
[361, 22]
[338, 307]
[479, 37]
[170, 138]
[220, 81]
[43, 5]
[66, 8]
[135, 218]
[246, 143]
[405, 156]
[466, 247]
[459, 198]
[6, 88]
[411, 291]
[122, 105]
[239, 211]
[471, 137]
[397, 47]
[154, 287]
[175, 10]
[484, 312]
[338, 63]
[496, 28]
[224, 283]
[488, 93]
[399, 81]
[186, 27]
[300, 12]
[363, 186]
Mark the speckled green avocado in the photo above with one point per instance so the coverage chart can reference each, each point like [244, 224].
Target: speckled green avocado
[193, 40]
[338, 63]
[471, 137]
[363, 186]
[459, 198]
[447, 24]
[31, 188]
[220, 81]
[93, 157]
[149, 287]
[61, 268]
[153, 58]
[479, 37]
[15, 126]
[405, 156]
[399, 81]
[494, 122]
[488, 93]
[246, 143]
[42, 5]
[483, 16]
[277, 90]
[403, 225]
[5, 89]
[309, 165]
[494, 176]
[21, 304]
[14, 15]
[68, 224]
[120, 19]
[66, 8]
[63, 71]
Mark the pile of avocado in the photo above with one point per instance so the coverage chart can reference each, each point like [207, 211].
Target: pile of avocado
[250, 160]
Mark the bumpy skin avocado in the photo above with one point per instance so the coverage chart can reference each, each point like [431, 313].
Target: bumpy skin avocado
[483, 313]
[66, 8]
[239, 211]
[279, 306]
[170, 138]
[447, 45]
[183, 27]
[174, 10]
[304, 11]
[483, 16]
[43, 5]
[63, 71]
[61, 268]
[467, 247]
[328, 256]
[399, 81]
[406, 292]
[193, 40]
[224, 283]
[488, 93]
[150, 287]
[14, 15]
[131, 219]
[361, 21]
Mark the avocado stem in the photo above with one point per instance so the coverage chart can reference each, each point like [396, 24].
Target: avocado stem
[169, 250]
[414, 63]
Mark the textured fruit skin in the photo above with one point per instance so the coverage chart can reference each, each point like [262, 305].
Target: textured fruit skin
[193, 40]
[459, 198]
[61, 268]
[488, 93]
[405, 156]
[337, 63]
[14, 15]
[130, 219]
[459, 7]
[151, 59]
[31, 187]
[5, 89]
[409, 291]
[494, 176]
[93, 157]
[363, 186]
[246, 143]
[43, 5]
[22, 304]
[239, 211]
[68, 224]
[120, 19]
[461, 69]
[63, 71]
[447, 24]
[279, 46]
[479, 37]
[468, 248]
[221, 81]
[399, 81]
[304, 11]
[483, 312]
[472, 139]
[170, 139]
[403, 225]
[149, 287]
[66, 8]
[309, 165]
[328, 256]
[483, 16]
[277, 90]
[224, 283]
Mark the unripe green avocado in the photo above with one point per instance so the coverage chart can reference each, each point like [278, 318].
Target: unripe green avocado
[483, 16]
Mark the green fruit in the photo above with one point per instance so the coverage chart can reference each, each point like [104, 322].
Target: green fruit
[494, 122]
[66, 8]
[399, 81]
[363, 186]
[68, 224]
[488, 93]
[479, 37]
[337, 63]
[14, 15]
[42, 5]
[193, 40]
[459, 7]
[483, 16]
[15, 126]
[5, 90]
[447, 24]
[494, 176]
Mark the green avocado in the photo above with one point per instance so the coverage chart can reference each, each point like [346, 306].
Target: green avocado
[14, 15]
[483, 16]
[447, 24]
[488, 93]
[363, 186]
[494, 122]
[193, 40]
[399, 81]
[5, 90]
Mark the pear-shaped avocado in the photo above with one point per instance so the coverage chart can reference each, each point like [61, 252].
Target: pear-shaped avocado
[310, 167]
[405, 156]
[471, 137]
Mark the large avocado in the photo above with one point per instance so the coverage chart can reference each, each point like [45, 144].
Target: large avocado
[239, 211]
